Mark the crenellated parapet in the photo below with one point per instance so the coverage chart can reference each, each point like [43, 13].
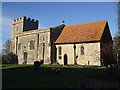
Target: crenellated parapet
[24, 24]
[31, 20]
[20, 25]
[24, 18]
[20, 19]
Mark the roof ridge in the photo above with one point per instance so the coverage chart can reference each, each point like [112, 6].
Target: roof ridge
[57, 26]
[91, 31]
[89, 23]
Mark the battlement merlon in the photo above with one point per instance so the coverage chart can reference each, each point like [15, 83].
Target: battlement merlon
[24, 18]
[20, 19]
[31, 20]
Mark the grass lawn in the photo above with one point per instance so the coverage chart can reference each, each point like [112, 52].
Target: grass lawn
[24, 76]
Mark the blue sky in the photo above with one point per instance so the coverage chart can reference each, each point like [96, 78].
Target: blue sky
[51, 14]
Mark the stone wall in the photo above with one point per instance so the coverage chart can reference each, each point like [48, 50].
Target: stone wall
[37, 53]
[20, 25]
[31, 54]
[91, 53]
[44, 37]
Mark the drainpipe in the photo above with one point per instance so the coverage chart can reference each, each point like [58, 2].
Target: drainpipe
[75, 60]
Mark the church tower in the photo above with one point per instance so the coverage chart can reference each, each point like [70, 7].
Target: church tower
[20, 25]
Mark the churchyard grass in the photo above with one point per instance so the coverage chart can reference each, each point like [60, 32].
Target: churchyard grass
[24, 76]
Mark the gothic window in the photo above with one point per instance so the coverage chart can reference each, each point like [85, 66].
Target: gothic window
[82, 50]
[19, 46]
[59, 52]
[32, 45]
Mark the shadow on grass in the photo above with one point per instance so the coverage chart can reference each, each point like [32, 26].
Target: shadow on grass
[26, 77]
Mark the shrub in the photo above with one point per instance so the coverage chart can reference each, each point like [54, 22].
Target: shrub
[9, 58]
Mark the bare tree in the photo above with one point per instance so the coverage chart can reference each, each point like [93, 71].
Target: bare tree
[116, 44]
[6, 47]
[7, 55]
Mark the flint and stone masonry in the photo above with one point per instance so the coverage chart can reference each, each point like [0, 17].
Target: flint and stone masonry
[32, 44]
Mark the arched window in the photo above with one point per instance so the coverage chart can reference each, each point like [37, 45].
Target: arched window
[32, 45]
[59, 52]
[82, 50]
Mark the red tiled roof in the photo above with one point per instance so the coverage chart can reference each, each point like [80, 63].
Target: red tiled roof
[82, 32]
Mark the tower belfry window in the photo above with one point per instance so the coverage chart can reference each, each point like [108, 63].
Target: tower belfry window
[32, 45]
[43, 38]
[17, 29]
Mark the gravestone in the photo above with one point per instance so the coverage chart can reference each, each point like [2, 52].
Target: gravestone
[37, 66]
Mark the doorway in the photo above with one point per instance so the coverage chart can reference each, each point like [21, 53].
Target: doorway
[25, 58]
[65, 59]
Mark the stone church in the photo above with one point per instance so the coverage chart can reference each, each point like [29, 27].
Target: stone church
[82, 44]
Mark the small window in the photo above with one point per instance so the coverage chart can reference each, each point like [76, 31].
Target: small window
[17, 29]
[59, 52]
[43, 38]
[82, 50]
[19, 46]
[32, 45]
